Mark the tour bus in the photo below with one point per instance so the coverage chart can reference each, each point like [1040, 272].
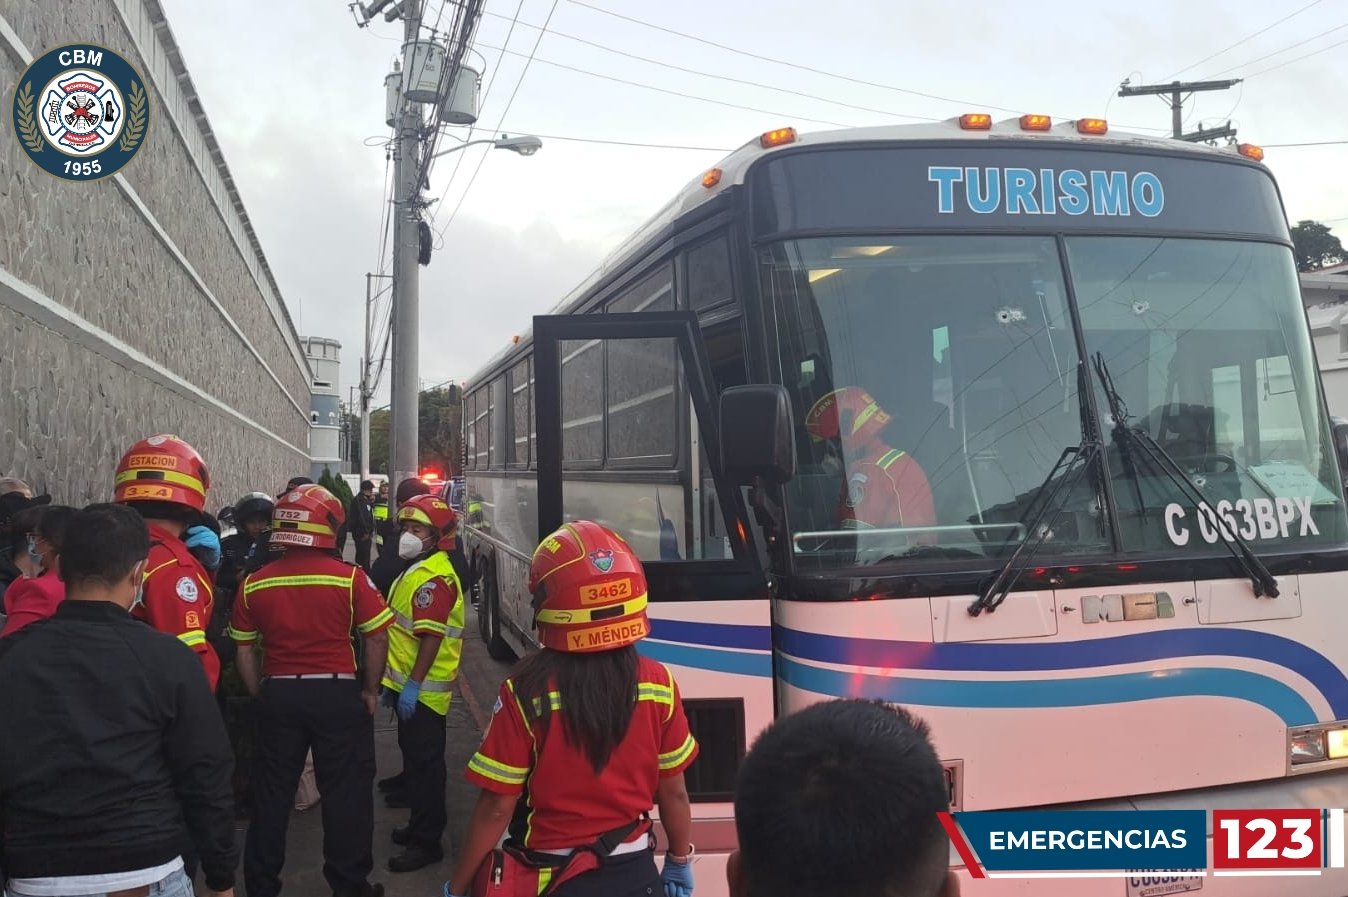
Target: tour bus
[1013, 423]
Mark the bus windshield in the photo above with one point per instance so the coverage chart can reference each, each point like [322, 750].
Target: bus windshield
[938, 390]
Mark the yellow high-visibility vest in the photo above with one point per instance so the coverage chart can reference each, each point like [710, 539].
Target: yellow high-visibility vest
[403, 636]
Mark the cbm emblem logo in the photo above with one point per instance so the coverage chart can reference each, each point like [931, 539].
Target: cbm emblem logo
[81, 112]
[1118, 608]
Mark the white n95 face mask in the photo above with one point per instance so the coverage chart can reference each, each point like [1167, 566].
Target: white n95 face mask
[409, 546]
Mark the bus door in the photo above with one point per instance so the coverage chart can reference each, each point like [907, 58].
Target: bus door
[627, 436]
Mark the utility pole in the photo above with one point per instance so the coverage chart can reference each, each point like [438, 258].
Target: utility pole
[406, 292]
[1178, 92]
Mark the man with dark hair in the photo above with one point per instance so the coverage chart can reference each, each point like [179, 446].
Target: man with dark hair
[840, 800]
[360, 523]
[114, 757]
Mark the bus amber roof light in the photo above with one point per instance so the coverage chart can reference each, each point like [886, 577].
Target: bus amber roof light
[1092, 126]
[1250, 151]
[1036, 122]
[779, 137]
[711, 178]
[976, 121]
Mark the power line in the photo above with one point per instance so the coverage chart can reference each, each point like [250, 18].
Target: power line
[1244, 40]
[794, 65]
[1299, 58]
[668, 146]
[728, 78]
[805, 68]
[679, 93]
[500, 121]
[1291, 46]
[1306, 143]
[486, 95]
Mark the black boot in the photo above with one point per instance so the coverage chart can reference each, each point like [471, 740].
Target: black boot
[392, 783]
[400, 836]
[414, 858]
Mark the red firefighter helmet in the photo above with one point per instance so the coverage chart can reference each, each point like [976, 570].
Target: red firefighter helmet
[162, 468]
[589, 590]
[433, 512]
[307, 516]
[849, 412]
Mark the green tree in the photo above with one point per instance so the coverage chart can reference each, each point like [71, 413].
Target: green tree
[440, 428]
[1315, 246]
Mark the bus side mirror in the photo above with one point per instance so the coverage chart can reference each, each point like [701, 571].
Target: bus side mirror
[1341, 444]
[757, 435]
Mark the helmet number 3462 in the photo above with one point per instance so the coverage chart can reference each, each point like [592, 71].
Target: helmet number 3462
[81, 112]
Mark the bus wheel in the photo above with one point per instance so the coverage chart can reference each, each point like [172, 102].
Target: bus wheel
[489, 620]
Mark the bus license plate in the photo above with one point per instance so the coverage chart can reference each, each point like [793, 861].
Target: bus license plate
[1160, 882]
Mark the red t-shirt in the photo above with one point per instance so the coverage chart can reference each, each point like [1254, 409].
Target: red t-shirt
[568, 804]
[179, 597]
[303, 606]
[886, 488]
[30, 600]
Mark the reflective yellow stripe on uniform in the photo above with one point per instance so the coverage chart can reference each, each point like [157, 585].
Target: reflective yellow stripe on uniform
[677, 756]
[434, 626]
[404, 642]
[376, 621]
[498, 771]
[427, 685]
[240, 635]
[888, 458]
[192, 637]
[273, 582]
[544, 878]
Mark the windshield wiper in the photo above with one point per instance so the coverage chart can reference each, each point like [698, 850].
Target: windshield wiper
[1074, 461]
[1262, 580]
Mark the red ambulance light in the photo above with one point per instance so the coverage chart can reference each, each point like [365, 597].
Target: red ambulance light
[976, 121]
[1250, 151]
[711, 178]
[1036, 122]
[1092, 126]
[779, 137]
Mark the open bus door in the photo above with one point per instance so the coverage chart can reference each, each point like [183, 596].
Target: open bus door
[627, 436]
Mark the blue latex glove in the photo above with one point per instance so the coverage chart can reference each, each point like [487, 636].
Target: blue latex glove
[446, 892]
[407, 701]
[677, 879]
[388, 697]
[203, 541]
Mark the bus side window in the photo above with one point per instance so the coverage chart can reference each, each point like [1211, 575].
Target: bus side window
[709, 278]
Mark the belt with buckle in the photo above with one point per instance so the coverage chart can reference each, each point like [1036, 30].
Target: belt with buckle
[315, 676]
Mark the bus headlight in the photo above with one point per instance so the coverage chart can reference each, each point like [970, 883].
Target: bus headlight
[1306, 747]
[1321, 743]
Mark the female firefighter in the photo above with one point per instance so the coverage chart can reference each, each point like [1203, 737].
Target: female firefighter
[584, 738]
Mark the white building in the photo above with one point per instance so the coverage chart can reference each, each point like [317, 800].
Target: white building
[1325, 293]
[327, 448]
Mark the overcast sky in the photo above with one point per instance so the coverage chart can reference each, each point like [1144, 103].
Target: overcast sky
[296, 99]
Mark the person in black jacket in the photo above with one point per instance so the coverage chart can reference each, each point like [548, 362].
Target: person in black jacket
[114, 757]
[360, 523]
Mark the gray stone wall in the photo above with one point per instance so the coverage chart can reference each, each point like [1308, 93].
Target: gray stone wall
[67, 412]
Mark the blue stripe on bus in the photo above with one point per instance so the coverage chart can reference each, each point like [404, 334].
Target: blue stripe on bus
[1253, 688]
[1328, 679]
[715, 635]
[715, 660]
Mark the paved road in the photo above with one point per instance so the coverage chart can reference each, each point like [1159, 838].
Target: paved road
[475, 692]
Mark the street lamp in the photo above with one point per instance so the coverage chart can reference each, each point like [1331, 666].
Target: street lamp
[526, 145]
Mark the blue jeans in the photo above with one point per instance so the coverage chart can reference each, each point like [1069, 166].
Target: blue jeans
[175, 884]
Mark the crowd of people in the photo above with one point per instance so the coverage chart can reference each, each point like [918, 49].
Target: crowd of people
[126, 623]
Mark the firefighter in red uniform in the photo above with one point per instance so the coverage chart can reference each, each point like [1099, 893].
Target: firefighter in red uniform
[885, 486]
[303, 606]
[586, 736]
[166, 481]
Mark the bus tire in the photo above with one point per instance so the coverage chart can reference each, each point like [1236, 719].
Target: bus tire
[489, 620]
